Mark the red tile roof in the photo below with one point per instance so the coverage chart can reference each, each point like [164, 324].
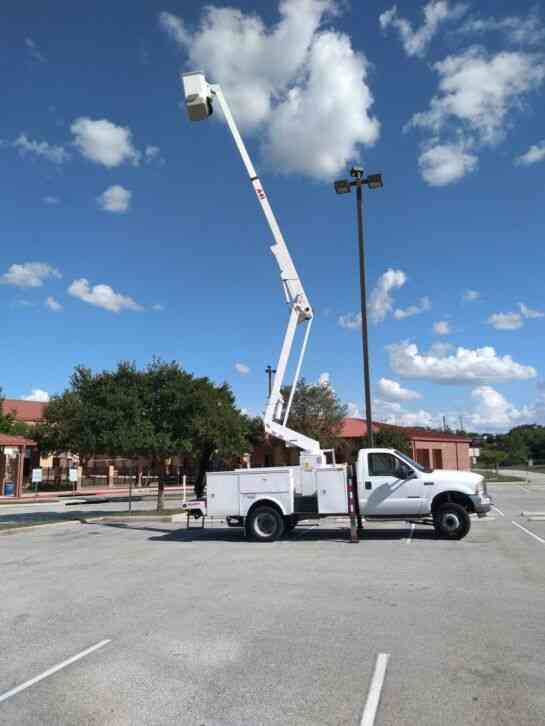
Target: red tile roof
[8, 440]
[356, 428]
[25, 410]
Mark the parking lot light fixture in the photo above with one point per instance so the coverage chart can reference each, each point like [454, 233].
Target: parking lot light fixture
[342, 186]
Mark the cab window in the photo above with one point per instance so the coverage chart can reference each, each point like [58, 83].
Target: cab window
[383, 465]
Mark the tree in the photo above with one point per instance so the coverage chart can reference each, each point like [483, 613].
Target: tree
[392, 438]
[158, 413]
[316, 411]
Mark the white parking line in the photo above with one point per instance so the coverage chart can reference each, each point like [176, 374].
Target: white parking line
[498, 510]
[51, 671]
[411, 532]
[373, 697]
[535, 536]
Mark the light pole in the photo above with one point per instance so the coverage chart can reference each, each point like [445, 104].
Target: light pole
[344, 186]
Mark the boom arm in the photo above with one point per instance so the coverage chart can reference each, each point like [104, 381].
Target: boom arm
[300, 309]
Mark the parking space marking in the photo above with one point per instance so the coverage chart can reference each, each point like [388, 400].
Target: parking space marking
[51, 671]
[375, 690]
[498, 510]
[535, 536]
[411, 532]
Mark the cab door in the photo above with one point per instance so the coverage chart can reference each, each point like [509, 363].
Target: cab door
[392, 488]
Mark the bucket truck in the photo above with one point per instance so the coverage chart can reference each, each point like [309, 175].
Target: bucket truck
[270, 501]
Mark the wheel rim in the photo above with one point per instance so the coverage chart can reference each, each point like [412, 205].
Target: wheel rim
[451, 522]
[265, 524]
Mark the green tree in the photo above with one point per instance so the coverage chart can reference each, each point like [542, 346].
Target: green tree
[392, 438]
[316, 411]
[158, 413]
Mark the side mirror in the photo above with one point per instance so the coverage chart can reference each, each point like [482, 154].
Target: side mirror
[404, 472]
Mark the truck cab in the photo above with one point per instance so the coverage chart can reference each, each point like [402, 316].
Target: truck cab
[391, 485]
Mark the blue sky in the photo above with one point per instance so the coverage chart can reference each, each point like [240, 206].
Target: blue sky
[130, 232]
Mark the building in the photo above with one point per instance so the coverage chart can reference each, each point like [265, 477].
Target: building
[29, 412]
[18, 455]
[432, 449]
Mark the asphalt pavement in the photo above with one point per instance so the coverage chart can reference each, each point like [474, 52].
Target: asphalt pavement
[150, 623]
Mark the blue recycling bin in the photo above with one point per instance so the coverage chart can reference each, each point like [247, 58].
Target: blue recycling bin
[9, 489]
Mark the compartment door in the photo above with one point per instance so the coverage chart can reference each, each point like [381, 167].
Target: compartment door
[332, 490]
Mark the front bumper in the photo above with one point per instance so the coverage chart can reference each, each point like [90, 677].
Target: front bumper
[481, 504]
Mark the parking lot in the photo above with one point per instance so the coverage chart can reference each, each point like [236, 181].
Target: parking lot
[151, 623]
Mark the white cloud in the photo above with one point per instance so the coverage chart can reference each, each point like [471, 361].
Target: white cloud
[158, 308]
[353, 410]
[392, 391]
[481, 91]
[56, 154]
[37, 395]
[530, 314]
[440, 350]
[242, 368]
[381, 301]
[534, 155]
[29, 274]
[103, 142]
[152, 153]
[506, 321]
[423, 306]
[442, 164]
[416, 42]
[34, 51]
[102, 296]
[324, 379]
[471, 295]
[53, 304]
[303, 87]
[350, 321]
[392, 412]
[481, 365]
[115, 199]
[51, 200]
[494, 412]
[518, 30]
[442, 327]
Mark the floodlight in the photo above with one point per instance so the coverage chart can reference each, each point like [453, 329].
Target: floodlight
[374, 181]
[342, 186]
[356, 172]
[198, 99]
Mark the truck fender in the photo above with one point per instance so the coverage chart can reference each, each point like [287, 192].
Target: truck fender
[267, 501]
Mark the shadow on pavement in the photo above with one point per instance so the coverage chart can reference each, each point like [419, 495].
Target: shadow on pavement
[309, 535]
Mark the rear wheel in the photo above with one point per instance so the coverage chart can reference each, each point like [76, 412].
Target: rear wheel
[451, 521]
[265, 524]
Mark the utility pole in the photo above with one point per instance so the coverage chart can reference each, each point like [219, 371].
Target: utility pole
[270, 373]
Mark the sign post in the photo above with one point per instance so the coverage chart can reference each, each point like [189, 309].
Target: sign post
[36, 478]
[73, 477]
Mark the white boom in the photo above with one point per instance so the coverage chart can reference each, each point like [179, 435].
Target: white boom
[199, 97]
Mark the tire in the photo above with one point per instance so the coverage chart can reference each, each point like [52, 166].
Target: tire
[264, 524]
[451, 521]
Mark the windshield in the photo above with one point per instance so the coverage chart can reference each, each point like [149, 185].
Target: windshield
[412, 462]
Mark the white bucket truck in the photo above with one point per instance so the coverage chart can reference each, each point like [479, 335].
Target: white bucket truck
[270, 501]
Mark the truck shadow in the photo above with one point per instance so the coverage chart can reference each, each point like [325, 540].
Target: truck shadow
[309, 535]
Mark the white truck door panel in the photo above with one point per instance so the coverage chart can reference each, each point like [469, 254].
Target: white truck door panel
[332, 490]
[222, 493]
[385, 494]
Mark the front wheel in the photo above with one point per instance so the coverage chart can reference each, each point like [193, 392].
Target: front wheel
[264, 524]
[451, 521]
